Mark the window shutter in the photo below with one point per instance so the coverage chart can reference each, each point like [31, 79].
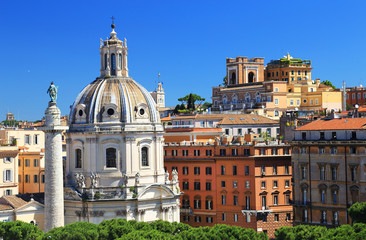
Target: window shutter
[11, 175]
[11, 159]
[4, 176]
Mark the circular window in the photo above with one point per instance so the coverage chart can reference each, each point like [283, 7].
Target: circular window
[305, 101]
[110, 111]
[80, 112]
[142, 111]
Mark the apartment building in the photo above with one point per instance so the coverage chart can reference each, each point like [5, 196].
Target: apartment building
[246, 184]
[329, 159]
[30, 159]
[8, 170]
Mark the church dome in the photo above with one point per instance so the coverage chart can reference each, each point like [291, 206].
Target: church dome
[114, 97]
[114, 100]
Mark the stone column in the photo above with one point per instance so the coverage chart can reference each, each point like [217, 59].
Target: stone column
[54, 190]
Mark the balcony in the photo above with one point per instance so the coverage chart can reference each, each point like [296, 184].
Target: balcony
[178, 126]
[301, 203]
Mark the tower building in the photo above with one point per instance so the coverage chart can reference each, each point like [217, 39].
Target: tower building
[115, 142]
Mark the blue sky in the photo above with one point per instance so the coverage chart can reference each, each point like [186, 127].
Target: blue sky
[186, 41]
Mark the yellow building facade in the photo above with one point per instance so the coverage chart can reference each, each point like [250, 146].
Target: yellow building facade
[268, 90]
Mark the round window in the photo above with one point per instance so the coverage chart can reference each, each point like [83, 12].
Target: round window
[80, 112]
[110, 111]
[305, 101]
[142, 111]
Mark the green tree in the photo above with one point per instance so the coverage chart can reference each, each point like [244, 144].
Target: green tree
[74, 231]
[358, 212]
[224, 81]
[206, 105]
[328, 83]
[192, 100]
[20, 230]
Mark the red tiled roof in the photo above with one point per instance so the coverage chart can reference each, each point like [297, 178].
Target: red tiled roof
[5, 207]
[335, 124]
[12, 201]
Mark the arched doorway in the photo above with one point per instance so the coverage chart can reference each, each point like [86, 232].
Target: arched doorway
[233, 78]
[251, 77]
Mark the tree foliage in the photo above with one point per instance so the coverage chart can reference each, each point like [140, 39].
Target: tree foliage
[328, 83]
[358, 212]
[20, 230]
[191, 100]
[306, 232]
[123, 230]
[224, 81]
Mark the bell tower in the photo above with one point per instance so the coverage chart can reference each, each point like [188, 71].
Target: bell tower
[113, 56]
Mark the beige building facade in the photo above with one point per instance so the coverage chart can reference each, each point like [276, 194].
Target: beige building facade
[8, 170]
[328, 158]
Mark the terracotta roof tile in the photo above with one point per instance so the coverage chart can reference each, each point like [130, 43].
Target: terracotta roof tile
[335, 124]
[246, 119]
[5, 207]
[13, 201]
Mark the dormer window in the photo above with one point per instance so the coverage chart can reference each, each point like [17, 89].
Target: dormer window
[110, 113]
[80, 115]
[141, 111]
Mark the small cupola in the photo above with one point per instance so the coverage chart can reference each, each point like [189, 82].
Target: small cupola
[113, 54]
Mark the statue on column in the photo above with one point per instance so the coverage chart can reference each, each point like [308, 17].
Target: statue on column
[52, 92]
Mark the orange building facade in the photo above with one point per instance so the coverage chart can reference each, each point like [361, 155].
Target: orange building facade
[31, 175]
[247, 185]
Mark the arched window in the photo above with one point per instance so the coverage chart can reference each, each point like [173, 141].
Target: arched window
[78, 158]
[209, 203]
[113, 64]
[224, 99]
[105, 61]
[111, 157]
[120, 61]
[258, 97]
[247, 97]
[251, 77]
[235, 98]
[145, 156]
[233, 78]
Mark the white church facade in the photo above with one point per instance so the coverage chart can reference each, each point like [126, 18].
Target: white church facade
[115, 165]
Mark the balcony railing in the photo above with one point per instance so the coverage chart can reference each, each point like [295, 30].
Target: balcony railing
[301, 203]
[179, 126]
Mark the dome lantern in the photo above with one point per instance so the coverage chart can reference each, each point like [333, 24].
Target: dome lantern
[113, 53]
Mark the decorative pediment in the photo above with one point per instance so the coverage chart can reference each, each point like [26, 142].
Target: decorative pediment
[263, 193]
[155, 191]
[275, 192]
[287, 192]
[31, 206]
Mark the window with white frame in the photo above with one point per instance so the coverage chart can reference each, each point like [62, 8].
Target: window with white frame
[111, 157]
[36, 139]
[145, 156]
[8, 175]
[276, 101]
[27, 139]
